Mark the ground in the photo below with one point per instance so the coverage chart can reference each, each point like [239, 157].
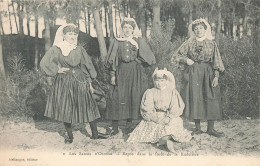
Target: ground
[241, 138]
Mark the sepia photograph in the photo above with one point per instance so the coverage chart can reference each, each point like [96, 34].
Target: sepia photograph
[129, 82]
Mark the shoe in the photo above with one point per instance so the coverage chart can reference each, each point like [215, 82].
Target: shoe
[170, 146]
[114, 132]
[197, 132]
[98, 137]
[129, 130]
[68, 140]
[215, 133]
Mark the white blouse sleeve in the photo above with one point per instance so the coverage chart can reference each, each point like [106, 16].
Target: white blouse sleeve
[177, 105]
[148, 111]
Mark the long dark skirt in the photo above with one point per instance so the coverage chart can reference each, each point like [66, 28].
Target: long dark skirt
[70, 99]
[202, 101]
[125, 98]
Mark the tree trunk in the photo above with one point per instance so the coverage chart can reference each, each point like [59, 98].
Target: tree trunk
[156, 17]
[15, 17]
[219, 21]
[116, 7]
[2, 68]
[28, 21]
[89, 22]
[258, 53]
[190, 14]
[100, 36]
[231, 29]
[47, 35]
[106, 11]
[141, 17]
[85, 20]
[244, 24]
[9, 14]
[1, 24]
[226, 27]
[20, 17]
[110, 20]
[36, 42]
[191, 11]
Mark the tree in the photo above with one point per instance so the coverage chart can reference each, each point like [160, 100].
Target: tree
[10, 23]
[219, 22]
[72, 11]
[141, 17]
[47, 34]
[110, 18]
[36, 56]
[28, 19]
[101, 41]
[15, 17]
[2, 68]
[20, 13]
[1, 23]
[156, 16]
[85, 19]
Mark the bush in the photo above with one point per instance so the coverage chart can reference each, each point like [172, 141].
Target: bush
[239, 81]
[163, 49]
[17, 89]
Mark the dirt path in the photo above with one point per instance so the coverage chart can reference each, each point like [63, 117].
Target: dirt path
[242, 138]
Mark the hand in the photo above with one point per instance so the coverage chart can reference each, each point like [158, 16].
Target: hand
[215, 82]
[166, 120]
[91, 88]
[63, 69]
[190, 62]
[113, 80]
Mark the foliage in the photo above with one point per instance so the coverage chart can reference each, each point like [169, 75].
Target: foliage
[239, 81]
[17, 88]
[163, 48]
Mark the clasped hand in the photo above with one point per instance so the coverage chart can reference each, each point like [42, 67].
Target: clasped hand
[63, 69]
[190, 62]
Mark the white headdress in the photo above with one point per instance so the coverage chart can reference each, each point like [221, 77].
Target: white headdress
[136, 33]
[168, 74]
[192, 35]
[207, 35]
[64, 45]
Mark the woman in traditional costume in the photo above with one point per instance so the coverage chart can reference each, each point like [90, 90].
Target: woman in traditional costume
[71, 69]
[161, 108]
[201, 92]
[127, 56]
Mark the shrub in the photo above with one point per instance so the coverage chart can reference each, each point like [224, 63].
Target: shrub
[163, 48]
[239, 81]
[17, 88]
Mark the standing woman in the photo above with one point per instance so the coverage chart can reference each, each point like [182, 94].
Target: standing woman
[126, 57]
[70, 100]
[201, 93]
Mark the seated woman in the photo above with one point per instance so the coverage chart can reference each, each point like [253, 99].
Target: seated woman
[161, 108]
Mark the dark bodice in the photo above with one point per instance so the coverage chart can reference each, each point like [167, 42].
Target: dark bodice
[127, 52]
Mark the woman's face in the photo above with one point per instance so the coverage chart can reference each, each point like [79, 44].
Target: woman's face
[127, 30]
[160, 83]
[71, 37]
[199, 31]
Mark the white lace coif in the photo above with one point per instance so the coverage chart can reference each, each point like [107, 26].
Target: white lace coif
[59, 41]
